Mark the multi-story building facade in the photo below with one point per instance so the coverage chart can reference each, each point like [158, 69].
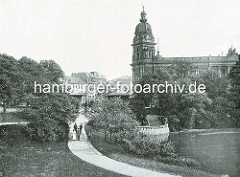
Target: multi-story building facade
[145, 58]
[83, 84]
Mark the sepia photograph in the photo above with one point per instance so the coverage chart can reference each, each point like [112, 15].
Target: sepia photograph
[143, 88]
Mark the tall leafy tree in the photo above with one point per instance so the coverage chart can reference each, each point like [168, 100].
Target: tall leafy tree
[10, 79]
[235, 87]
[32, 71]
[184, 110]
[53, 71]
[235, 82]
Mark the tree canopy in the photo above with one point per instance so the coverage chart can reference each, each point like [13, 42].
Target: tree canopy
[235, 88]
[214, 108]
[50, 113]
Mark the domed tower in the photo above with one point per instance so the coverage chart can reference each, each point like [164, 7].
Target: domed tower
[143, 49]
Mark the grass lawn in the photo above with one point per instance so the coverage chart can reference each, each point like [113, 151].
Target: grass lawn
[20, 157]
[115, 152]
[11, 117]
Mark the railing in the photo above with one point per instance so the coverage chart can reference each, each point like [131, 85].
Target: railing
[154, 130]
[152, 127]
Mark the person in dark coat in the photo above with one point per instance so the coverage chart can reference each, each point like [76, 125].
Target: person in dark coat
[75, 127]
[81, 127]
[78, 134]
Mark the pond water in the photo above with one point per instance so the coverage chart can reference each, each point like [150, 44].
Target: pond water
[218, 150]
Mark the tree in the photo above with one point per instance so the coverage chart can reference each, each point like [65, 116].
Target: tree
[215, 86]
[235, 87]
[53, 71]
[32, 71]
[51, 112]
[235, 82]
[140, 100]
[114, 118]
[45, 72]
[60, 107]
[10, 79]
[184, 110]
[151, 100]
[181, 69]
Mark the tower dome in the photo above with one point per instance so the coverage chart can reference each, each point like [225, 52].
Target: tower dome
[143, 31]
[143, 58]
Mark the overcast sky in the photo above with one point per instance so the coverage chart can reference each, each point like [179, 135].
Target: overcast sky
[93, 35]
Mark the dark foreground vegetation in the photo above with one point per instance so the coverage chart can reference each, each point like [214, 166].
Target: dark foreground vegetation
[20, 157]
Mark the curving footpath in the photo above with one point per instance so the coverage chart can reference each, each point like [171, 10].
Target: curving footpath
[13, 123]
[85, 151]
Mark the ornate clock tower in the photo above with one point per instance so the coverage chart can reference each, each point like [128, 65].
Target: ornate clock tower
[143, 49]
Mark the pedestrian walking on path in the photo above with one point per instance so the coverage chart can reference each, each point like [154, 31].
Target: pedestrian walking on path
[78, 134]
[81, 127]
[75, 127]
[74, 135]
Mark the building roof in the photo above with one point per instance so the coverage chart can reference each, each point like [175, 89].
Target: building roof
[75, 93]
[118, 93]
[74, 80]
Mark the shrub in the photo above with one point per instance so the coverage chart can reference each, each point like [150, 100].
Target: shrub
[147, 147]
[29, 114]
[50, 119]
[174, 123]
[167, 149]
[189, 162]
[46, 130]
[113, 120]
